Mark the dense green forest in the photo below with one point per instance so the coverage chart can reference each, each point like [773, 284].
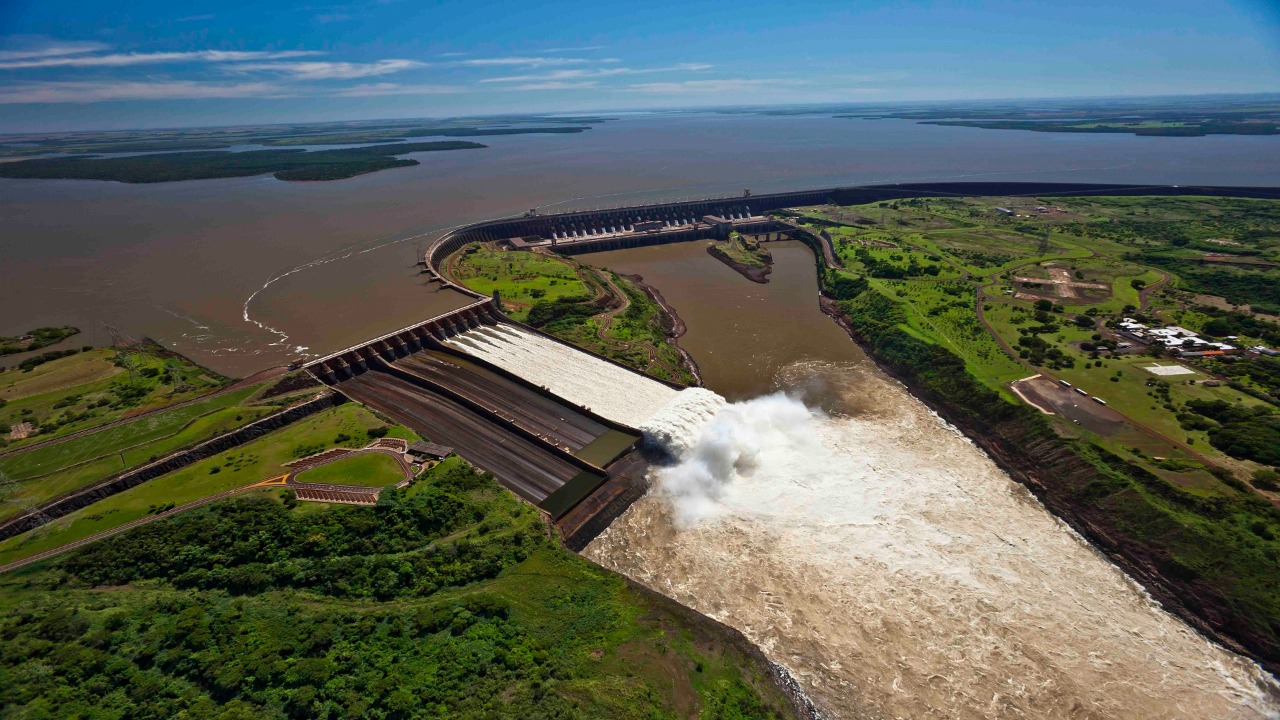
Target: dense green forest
[447, 599]
[1258, 288]
[286, 164]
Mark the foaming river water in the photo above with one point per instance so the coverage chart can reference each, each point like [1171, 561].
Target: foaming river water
[898, 573]
[871, 549]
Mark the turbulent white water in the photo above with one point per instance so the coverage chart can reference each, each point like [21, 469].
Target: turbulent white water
[585, 380]
[896, 572]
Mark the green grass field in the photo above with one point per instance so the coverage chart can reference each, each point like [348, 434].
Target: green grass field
[90, 389]
[522, 278]
[943, 313]
[79, 369]
[1129, 393]
[249, 463]
[47, 472]
[365, 469]
[1094, 240]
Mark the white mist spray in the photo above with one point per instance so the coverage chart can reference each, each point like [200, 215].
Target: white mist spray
[716, 444]
[896, 572]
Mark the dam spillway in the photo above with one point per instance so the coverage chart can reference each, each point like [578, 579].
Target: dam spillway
[582, 379]
[556, 425]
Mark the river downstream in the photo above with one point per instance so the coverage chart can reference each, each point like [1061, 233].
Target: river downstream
[876, 553]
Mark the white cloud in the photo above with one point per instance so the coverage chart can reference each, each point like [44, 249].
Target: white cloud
[586, 48]
[89, 92]
[555, 85]
[557, 75]
[127, 59]
[330, 70]
[525, 61]
[707, 86]
[385, 89]
[56, 49]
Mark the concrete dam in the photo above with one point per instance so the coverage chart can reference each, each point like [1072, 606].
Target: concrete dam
[559, 426]
[555, 424]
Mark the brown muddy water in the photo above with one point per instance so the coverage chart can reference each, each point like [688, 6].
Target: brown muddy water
[872, 550]
[741, 333]
[185, 262]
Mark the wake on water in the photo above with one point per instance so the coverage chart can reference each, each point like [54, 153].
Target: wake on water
[896, 572]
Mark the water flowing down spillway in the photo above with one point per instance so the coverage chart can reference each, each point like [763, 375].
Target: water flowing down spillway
[896, 572]
[580, 378]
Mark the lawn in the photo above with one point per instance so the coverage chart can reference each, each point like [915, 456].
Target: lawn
[1129, 393]
[369, 469]
[522, 278]
[943, 313]
[97, 387]
[47, 472]
[249, 463]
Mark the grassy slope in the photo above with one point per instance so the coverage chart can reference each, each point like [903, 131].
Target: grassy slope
[47, 472]
[81, 380]
[452, 604]
[79, 369]
[949, 320]
[251, 462]
[367, 469]
[522, 278]
[525, 279]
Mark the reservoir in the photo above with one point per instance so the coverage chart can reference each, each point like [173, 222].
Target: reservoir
[876, 553]
[246, 273]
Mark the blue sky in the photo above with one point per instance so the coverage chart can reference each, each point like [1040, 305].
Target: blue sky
[107, 64]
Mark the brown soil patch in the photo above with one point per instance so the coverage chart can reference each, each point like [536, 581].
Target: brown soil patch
[1071, 405]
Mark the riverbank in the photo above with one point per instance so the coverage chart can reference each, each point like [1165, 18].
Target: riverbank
[673, 326]
[1114, 504]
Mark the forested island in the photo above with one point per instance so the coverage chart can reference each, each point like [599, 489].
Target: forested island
[1152, 117]
[35, 339]
[203, 153]
[284, 164]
